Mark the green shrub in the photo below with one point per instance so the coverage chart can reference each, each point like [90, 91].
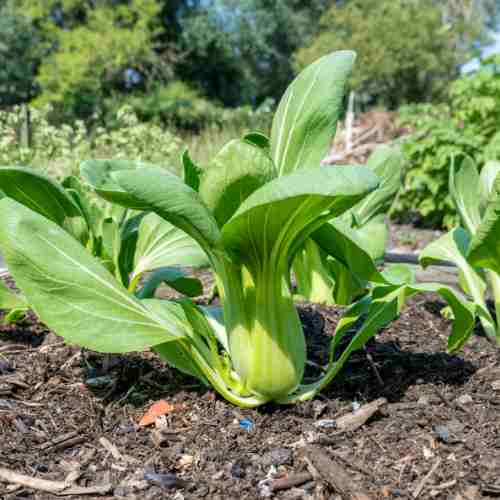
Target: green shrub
[466, 127]
[59, 149]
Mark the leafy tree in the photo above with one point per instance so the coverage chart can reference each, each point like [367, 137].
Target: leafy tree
[408, 51]
[19, 57]
[241, 51]
[97, 47]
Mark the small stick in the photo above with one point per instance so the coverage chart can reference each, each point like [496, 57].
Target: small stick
[425, 480]
[374, 367]
[32, 482]
[55, 487]
[289, 482]
[58, 439]
[354, 420]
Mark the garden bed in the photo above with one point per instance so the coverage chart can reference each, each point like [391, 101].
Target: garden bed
[68, 413]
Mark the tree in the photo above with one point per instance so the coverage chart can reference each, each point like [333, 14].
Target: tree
[408, 50]
[96, 48]
[19, 57]
[241, 51]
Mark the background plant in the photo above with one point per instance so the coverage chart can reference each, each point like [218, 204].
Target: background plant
[473, 245]
[467, 126]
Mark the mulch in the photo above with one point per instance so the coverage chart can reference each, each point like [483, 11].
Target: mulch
[72, 415]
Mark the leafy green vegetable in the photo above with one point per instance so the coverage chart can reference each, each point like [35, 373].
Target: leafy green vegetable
[251, 222]
[474, 248]
[328, 277]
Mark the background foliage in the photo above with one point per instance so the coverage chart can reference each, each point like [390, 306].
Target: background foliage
[466, 125]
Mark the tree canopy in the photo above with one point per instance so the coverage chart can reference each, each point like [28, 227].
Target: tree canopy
[408, 50]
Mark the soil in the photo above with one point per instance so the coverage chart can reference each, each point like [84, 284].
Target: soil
[438, 436]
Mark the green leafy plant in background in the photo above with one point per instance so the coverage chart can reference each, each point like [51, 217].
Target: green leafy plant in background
[466, 126]
[250, 209]
[474, 246]
[322, 278]
[58, 150]
[128, 243]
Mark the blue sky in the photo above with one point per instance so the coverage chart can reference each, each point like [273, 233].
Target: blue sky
[488, 50]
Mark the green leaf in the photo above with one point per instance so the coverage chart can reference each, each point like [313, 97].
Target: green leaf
[174, 278]
[305, 122]
[464, 190]
[99, 174]
[258, 139]
[39, 193]
[71, 292]
[373, 236]
[484, 248]
[191, 171]
[341, 242]
[15, 315]
[487, 178]
[387, 163]
[160, 244]
[232, 176]
[155, 190]
[10, 299]
[453, 247]
[313, 276]
[286, 210]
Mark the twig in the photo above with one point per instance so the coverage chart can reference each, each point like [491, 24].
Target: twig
[286, 483]
[425, 480]
[54, 487]
[374, 367]
[356, 419]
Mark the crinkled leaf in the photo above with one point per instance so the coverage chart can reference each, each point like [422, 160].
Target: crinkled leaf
[70, 290]
[306, 119]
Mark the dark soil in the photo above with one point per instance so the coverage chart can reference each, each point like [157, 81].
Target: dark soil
[443, 415]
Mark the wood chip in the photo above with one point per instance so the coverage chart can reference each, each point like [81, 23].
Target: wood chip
[356, 419]
[109, 446]
[54, 487]
[334, 474]
[285, 483]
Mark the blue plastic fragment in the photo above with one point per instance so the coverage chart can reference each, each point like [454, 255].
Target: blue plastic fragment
[247, 424]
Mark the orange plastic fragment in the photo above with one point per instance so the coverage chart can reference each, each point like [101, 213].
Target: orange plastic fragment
[158, 409]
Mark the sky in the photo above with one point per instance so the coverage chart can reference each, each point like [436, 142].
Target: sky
[488, 50]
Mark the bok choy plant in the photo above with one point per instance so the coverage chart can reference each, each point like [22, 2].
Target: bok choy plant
[250, 209]
[322, 278]
[474, 247]
[128, 243]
